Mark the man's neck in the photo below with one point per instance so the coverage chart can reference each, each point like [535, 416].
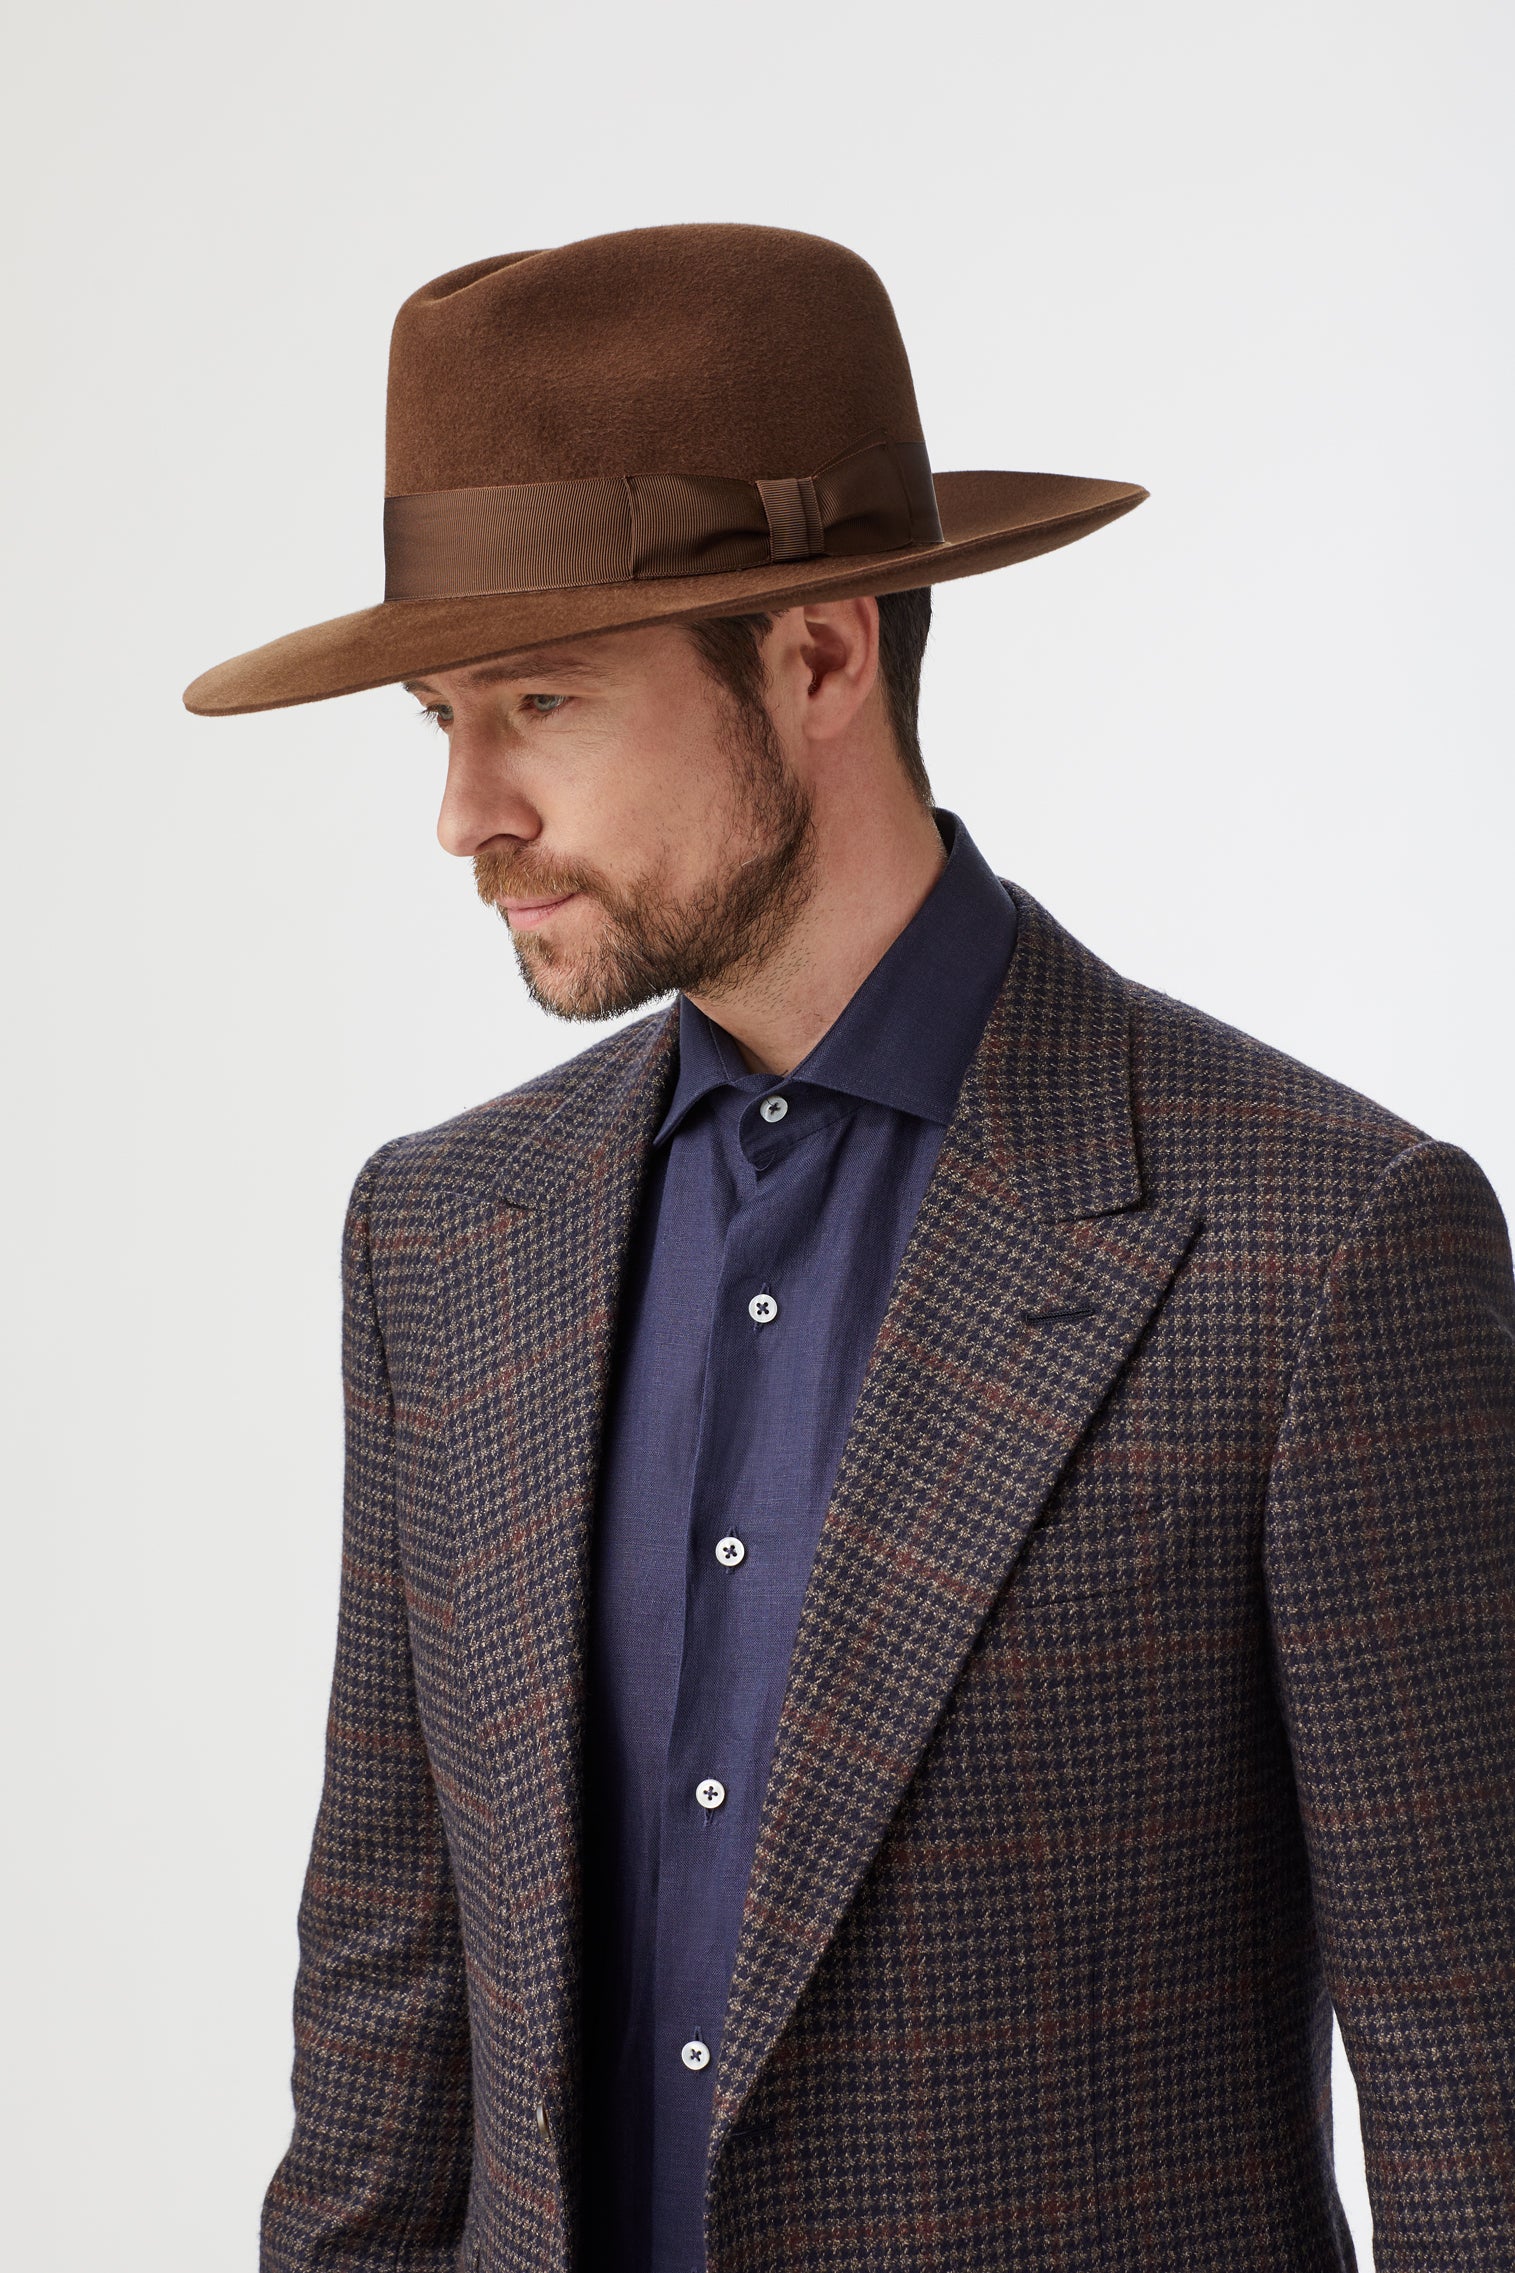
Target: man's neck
[876, 868]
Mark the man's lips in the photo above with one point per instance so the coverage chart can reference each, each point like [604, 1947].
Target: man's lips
[525, 915]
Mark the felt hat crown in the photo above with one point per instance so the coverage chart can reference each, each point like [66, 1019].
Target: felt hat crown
[648, 427]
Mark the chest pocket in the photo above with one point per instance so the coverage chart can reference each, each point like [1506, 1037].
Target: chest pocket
[1099, 1546]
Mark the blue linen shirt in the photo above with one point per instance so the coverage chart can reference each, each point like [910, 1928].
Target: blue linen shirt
[760, 1267]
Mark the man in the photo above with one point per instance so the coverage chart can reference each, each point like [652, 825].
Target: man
[928, 1567]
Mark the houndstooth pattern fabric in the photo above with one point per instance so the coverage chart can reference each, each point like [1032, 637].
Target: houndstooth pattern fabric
[1154, 1689]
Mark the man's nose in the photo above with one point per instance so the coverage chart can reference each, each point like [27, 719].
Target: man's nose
[481, 801]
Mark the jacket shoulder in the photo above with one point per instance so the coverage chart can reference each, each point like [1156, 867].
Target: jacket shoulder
[1243, 1123]
[567, 1104]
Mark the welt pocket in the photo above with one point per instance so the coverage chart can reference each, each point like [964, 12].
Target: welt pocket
[1070, 1561]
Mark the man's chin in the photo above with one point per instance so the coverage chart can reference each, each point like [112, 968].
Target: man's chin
[574, 988]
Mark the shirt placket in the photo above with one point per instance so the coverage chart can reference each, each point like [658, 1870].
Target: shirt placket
[711, 1800]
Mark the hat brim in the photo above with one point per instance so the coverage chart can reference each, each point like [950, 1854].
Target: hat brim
[989, 520]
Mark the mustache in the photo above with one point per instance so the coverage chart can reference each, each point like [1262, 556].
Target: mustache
[505, 876]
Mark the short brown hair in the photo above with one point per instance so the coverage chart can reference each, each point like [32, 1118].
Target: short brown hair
[731, 649]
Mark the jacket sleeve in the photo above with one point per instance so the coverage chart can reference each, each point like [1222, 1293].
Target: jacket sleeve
[1390, 1573]
[376, 2175]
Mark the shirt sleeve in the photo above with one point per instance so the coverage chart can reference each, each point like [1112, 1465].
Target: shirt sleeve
[376, 2175]
[1390, 1575]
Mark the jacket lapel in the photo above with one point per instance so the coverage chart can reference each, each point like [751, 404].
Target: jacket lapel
[533, 1226]
[1031, 1270]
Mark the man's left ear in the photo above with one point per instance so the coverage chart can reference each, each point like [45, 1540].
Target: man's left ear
[841, 650]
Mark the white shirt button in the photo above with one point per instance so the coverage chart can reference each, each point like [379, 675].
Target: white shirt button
[774, 1108]
[694, 2054]
[729, 1551]
[711, 1792]
[762, 1310]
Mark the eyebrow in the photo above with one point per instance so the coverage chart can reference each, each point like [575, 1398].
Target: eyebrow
[542, 665]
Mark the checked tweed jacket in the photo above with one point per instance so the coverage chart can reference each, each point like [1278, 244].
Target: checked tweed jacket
[1154, 1690]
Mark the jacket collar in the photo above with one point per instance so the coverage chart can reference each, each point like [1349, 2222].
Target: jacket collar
[1046, 1103]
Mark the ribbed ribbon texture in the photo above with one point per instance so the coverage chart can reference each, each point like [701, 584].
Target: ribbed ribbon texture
[546, 536]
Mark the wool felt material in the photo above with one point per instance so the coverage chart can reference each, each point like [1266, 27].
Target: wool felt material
[696, 350]
[1153, 1689]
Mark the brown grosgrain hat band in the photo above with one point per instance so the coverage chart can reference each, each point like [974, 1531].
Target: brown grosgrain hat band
[548, 536]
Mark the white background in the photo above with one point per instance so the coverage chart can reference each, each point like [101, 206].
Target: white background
[1250, 744]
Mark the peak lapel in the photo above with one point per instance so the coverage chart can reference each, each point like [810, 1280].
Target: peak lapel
[1031, 1270]
[532, 1241]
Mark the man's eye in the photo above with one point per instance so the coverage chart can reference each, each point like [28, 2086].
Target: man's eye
[543, 706]
[436, 714]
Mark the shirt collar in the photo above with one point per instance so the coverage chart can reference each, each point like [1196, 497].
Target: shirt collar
[905, 1038]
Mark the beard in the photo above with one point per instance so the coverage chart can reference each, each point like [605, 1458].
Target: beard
[650, 944]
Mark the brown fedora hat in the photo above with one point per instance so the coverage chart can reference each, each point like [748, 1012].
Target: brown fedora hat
[650, 427]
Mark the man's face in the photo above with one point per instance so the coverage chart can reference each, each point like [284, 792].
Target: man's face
[637, 831]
